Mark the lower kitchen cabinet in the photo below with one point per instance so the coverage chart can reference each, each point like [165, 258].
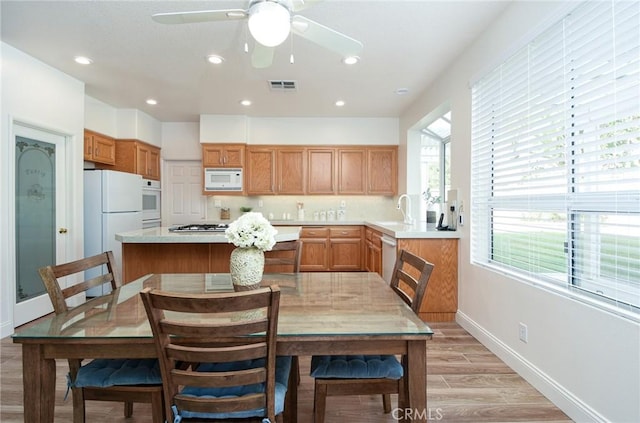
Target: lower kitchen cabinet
[373, 251]
[331, 248]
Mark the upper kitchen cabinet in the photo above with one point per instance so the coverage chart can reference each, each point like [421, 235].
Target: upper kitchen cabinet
[261, 171]
[321, 170]
[382, 170]
[135, 156]
[291, 170]
[352, 171]
[99, 148]
[275, 170]
[223, 155]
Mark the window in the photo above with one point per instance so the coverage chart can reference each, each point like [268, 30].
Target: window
[435, 159]
[556, 157]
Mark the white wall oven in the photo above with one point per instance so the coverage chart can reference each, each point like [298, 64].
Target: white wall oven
[151, 196]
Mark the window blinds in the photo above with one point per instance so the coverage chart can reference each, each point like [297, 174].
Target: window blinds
[556, 156]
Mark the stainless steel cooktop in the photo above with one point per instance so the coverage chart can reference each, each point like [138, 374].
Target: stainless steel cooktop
[214, 227]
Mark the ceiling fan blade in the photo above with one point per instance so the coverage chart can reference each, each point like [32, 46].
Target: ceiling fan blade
[297, 5]
[262, 56]
[199, 16]
[325, 36]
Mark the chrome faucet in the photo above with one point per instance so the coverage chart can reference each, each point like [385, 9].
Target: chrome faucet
[407, 211]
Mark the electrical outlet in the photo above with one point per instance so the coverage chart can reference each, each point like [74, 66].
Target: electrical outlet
[260, 203]
[522, 332]
[217, 203]
[343, 204]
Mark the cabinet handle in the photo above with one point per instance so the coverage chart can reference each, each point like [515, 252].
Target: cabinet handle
[97, 151]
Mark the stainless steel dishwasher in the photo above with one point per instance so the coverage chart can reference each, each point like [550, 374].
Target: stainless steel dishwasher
[388, 256]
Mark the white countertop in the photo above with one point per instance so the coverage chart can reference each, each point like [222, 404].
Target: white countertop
[163, 235]
[394, 229]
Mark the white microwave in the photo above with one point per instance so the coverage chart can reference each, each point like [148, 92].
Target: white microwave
[223, 179]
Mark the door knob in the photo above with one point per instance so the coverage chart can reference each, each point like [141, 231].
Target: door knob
[62, 230]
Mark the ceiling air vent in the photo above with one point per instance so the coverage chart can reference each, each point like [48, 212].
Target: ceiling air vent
[283, 86]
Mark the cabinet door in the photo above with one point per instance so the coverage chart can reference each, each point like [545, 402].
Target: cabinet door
[314, 257]
[88, 147]
[261, 163]
[104, 149]
[291, 170]
[352, 171]
[212, 155]
[142, 160]
[154, 163]
[346, 254]
[321, 165]
[233, 156]
[382, 169]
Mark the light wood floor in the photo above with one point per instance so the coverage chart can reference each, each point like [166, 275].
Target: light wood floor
[465, 383]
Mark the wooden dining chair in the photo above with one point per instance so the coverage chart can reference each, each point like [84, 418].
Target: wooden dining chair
[120, 380]
[229, 341]
[283, 257]
[372, 374]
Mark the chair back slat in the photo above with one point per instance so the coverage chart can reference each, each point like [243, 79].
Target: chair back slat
[283, 257]
[407, 265]
[214, 333]
[51, 276]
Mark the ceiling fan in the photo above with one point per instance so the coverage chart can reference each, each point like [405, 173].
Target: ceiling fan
[270, 22]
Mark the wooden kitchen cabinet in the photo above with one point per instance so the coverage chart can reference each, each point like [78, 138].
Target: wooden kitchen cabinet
[223, 155]
[99, 148]
[291, 170]
[352, 171]
[373, 251]
[275, 170]
[321, 167]
[441, 299]
[331, 248]
[382, 170]
[136, 156]
[261, 171]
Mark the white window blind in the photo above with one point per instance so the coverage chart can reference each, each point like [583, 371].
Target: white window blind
[556, 157]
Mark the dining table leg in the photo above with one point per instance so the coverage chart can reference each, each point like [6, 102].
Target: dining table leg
[416, 380]
[39, 383]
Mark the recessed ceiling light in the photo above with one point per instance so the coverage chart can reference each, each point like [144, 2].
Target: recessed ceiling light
[350, 60]
[83, 60]
[402, 91]
[340, 103]
[215, 59]
[246, 102]
[152, 101]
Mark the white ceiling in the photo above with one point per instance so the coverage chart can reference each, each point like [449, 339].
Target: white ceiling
[406, 45]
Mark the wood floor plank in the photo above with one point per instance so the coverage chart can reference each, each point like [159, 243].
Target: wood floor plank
[465, 383]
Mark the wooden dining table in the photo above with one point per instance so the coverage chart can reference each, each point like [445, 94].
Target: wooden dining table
[320, 313]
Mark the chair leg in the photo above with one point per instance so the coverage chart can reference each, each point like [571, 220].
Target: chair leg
[128, 409]
[157, 408]
[319, 402]
[78, 405]
[386, 403]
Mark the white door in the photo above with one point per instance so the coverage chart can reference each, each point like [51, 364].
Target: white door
[184, 202]
[40, 218]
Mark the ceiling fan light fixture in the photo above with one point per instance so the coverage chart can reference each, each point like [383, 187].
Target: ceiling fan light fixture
[269, 23]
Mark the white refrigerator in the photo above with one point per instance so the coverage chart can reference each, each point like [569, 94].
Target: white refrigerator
[112, 204]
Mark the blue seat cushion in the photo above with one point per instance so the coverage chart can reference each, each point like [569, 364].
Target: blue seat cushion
[356, 367]
[283, 367]
[114, 372]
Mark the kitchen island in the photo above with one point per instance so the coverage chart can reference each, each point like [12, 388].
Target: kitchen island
[159, 250]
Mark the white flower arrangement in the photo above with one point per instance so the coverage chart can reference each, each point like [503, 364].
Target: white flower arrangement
[252, 230]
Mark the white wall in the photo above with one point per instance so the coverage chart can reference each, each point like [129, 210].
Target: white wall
[35, 93]
[584, 359]
[100, 117]
[134, 124]
[314, 131]
[181, 141]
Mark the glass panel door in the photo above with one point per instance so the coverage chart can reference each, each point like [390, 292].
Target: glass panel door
[39, 169]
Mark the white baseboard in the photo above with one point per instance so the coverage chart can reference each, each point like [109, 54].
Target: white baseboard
[576, 409]
[6, 329]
